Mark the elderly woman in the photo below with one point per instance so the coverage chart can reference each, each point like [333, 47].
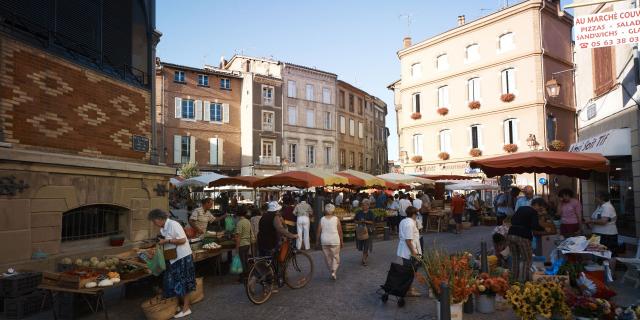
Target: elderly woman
[603, 221]
[570, 212]
[365, 219]
[179, 277]
[330, 235]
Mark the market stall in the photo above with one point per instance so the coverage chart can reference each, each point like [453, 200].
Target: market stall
[367, 181]
[303, 179]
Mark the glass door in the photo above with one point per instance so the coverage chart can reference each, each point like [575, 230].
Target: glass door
[621, 191]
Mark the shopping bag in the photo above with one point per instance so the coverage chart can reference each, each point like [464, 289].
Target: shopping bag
[236, 265]
[229, 225]
[156, 263]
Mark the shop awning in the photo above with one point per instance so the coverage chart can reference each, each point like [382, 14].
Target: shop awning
[405, 179]
[303, 179]
[616, 142]
[245, 181]
[365, 180]
[572, 164]
[440, 177]
[471, 185]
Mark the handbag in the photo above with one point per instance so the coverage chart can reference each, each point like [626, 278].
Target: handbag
[169, 254]
[236, 265]
[362, 232]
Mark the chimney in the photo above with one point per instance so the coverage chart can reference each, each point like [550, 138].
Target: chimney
[223, 62]
[406, 42]
[460, 20]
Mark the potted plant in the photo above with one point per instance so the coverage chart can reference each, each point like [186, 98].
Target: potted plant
[416, 159]
[543, 298]
[443, 155]
[443, 111]
[510, 147]
[557, 145]
[416, 115]
[475, 152]
[487, 287]
[474, 105]
[508, 97]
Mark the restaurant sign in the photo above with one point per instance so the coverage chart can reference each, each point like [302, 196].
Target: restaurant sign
[607, 29]
[616, 142]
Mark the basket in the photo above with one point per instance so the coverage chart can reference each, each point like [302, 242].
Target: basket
[158, 308]
[19, 284]
[198, 295]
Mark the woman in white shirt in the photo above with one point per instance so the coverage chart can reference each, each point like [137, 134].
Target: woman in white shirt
[409, 244]
[603, 221]
[179, 279]
[330, 235]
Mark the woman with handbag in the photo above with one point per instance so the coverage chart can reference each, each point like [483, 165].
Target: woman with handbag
[364, 230]
[330, 235]
[179, 278]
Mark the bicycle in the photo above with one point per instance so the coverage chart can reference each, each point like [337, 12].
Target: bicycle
[296, 271]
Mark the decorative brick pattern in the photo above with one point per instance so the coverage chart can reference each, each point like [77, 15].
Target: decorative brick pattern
[50, 124]
[46, 79]
[100, 117]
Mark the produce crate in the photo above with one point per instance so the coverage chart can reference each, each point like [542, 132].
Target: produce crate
[66, 280]
[24, 306]
[379, 229]
[348, 230]
[19, 284]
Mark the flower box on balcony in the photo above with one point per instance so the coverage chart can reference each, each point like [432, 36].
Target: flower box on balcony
[508, 97]
[443, 155]
[557, 145]
[443, 111]
[511, 147]
[416, 115]
[416, 159]
[475, 152]
[474, 105]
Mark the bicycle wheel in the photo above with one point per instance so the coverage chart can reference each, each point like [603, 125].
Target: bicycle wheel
[259, 283]
[298, 270]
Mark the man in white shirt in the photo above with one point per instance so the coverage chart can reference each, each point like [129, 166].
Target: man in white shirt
[417, 202]
[339, 198]
[404, 204]
[409, 244]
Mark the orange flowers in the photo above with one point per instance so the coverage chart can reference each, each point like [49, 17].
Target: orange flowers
[454, 270]
[486, 284]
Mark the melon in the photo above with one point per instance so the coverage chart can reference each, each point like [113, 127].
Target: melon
[91, 284]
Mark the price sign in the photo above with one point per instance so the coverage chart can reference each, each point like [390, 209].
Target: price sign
[607, 29]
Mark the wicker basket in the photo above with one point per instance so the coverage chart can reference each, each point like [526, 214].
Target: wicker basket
[198, 295]
[158, 308]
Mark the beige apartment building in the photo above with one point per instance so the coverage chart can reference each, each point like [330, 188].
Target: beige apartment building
[351, 127]
[478, 89]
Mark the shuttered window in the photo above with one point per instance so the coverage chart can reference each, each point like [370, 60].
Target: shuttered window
[603, 70]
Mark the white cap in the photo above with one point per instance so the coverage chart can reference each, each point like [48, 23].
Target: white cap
[273, 206]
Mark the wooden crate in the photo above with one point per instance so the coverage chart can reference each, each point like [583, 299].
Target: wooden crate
[538, 276]
[64, 280]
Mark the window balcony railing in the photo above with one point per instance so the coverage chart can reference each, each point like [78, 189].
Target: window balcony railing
[267, 126]
[269, 160]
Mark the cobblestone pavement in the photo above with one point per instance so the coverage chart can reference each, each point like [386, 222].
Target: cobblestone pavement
[352, 296]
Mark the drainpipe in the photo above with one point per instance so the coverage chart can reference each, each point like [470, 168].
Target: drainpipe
[151, 69]
[544, 95]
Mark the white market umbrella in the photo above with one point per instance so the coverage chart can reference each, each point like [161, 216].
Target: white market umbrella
[202, 180]
[405, 178]
[471, 185]
[176, 181]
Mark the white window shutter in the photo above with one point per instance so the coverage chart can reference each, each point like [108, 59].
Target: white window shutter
[198, 109]
[505, 131]
[512, 79]
[225, 112]
[448, 141]
[503, 75]
[178, 107]
[177, 149]
[469, 138]
[446, 96]
[221, 151]
[469, 90]
[516, 136]
[213, 150]
[207, 111]
[192, 149]
[480, 140]
[476, 88]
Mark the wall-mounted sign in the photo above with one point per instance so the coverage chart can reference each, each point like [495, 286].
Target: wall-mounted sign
[468, 170]
[140, 143]
[607, 29]
[616, 142]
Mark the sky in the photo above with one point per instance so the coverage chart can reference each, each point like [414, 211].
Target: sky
[355, 39]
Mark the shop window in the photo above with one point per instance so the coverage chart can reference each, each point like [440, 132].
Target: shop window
[621, 192]
[94, 221]
[552, 125]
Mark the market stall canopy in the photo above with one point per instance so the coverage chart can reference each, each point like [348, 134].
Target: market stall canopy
[365, 180]
[572, 164]
[405, 179]
[245, 181]
[446, 177]
[471, 185]
[177, 181]
[202, 180]
[303, 179]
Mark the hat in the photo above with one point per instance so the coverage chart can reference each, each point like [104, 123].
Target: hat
[273, 206]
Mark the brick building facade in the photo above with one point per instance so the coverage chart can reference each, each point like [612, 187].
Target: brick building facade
[351, 127]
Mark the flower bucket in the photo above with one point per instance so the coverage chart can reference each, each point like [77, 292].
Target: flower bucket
[456, 311]
[486, 303]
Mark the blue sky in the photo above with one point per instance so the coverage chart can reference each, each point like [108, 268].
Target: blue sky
[356, 39]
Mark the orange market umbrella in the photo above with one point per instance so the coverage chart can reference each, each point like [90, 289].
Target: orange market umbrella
[572, 164]
[365, 180]
[245, 181]
[303, 179]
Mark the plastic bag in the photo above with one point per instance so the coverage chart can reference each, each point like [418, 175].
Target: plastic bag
[156, 263]
[229, 224]
[236, 265]
[588, 287]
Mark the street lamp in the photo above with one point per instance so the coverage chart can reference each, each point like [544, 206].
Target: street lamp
[553, 88]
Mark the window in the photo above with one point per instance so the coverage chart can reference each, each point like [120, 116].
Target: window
[416, 71]
[352, 127]
[327, 155]
[508, 81]
[360, 106]
[216, 151]
[603, 70]
[351, 102]
[311, 154]
[310, 92]
[445, 141]
[311, 118]
[292, 113]
[268, 118]
[343, 125]
[415, 102]
[94, 221]
[291, 89]
[442, 63]
[327, 120]
[417, 144]
[326, 95]
[472, 53]
[343, 158]
[443, 97]
[341, 99]
[360, 160]
[293, 152]
[552, 126]
[185, 147]
[188, 109]
[505, 42]
[267, 95]
[360, 130]
[215, 112]
[203, 80]
[473, 89]
[511, 131]
[352, 159]
[475, 136]
[178, 76]
[267, 148]
[225, 84]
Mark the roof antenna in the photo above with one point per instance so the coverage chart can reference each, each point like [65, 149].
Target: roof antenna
[409, 18]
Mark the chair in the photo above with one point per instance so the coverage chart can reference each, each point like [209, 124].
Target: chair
[633, 267]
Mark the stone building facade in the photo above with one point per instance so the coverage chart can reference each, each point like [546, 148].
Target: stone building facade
[380, 151]
[76, 138]
[198, 117]
[350, 127]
